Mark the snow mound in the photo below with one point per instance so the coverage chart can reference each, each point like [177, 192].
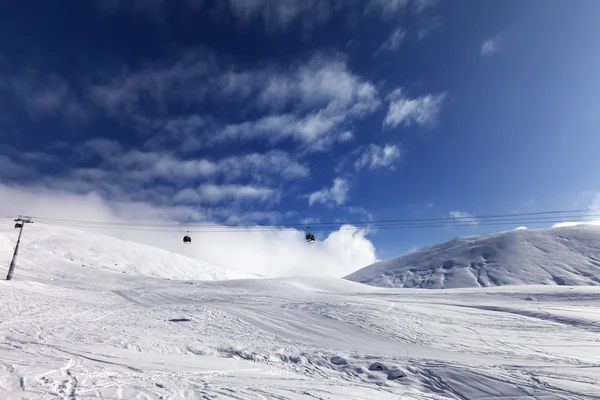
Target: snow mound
[54, 248]
[554, 256]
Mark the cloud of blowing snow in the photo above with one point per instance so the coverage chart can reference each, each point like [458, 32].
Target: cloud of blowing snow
[592, 214]
[271, 254]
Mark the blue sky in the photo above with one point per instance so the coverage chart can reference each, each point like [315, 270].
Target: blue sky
[279, 112]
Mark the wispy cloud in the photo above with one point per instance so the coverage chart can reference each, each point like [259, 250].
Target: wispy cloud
[148, 165]
[312, 101]
[492, 45]
[462, 217]
[274, 15]
[259, 166]
[44, 95]
[405, 110]
[388, 8]
[325, 96]
[378, 157]
[279, 15]
[336, 194]
[183, 132]
[393, 42]
[213, 193]
[428, 27]
[182, 81]
[105, 167]
[422, 5]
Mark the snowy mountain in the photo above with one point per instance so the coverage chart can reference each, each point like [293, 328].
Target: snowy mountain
[554, 256]
[59, 247]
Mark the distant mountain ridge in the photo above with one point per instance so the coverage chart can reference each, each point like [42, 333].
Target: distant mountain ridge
[551, 256]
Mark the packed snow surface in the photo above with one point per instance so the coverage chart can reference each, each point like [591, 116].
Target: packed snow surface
[554, 256]
[73, 331]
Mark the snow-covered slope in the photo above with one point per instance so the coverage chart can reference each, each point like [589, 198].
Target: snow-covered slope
[554, 256]
[64, 248]
[74, 332]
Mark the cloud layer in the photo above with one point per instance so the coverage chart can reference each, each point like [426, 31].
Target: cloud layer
[274, 254]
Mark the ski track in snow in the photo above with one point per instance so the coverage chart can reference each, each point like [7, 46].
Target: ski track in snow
[68, 332]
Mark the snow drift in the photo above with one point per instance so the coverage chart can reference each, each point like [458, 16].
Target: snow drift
[57, 248]
[553, 256]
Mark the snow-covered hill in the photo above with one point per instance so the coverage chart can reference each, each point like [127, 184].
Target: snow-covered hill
[64, 249]
[554, 256]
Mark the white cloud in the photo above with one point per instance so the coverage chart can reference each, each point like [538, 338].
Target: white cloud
[159, 178]
[575, 223]
[393, 42]
[346, 136]
[277, 253]
[212, 193]
[260, 165]
[216, 193]
[323, 94]
[520, 228]
[183, 80]
[311, 102]
[420, 110]
[182, 132]
[378, 157]
[591, 216]
[324, 80]
[463, 218]
[144, 166]
[336, 194]
[315, 131]
[492, 45]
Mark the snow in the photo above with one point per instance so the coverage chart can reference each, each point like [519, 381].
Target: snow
[555, 256]
[92, 332]
[63, 248]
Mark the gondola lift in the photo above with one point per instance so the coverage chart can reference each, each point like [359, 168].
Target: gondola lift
[187, 238]
[310, 238]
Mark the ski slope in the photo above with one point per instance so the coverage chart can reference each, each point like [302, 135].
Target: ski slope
[554, 256]
[73, 332]
[74, 251]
